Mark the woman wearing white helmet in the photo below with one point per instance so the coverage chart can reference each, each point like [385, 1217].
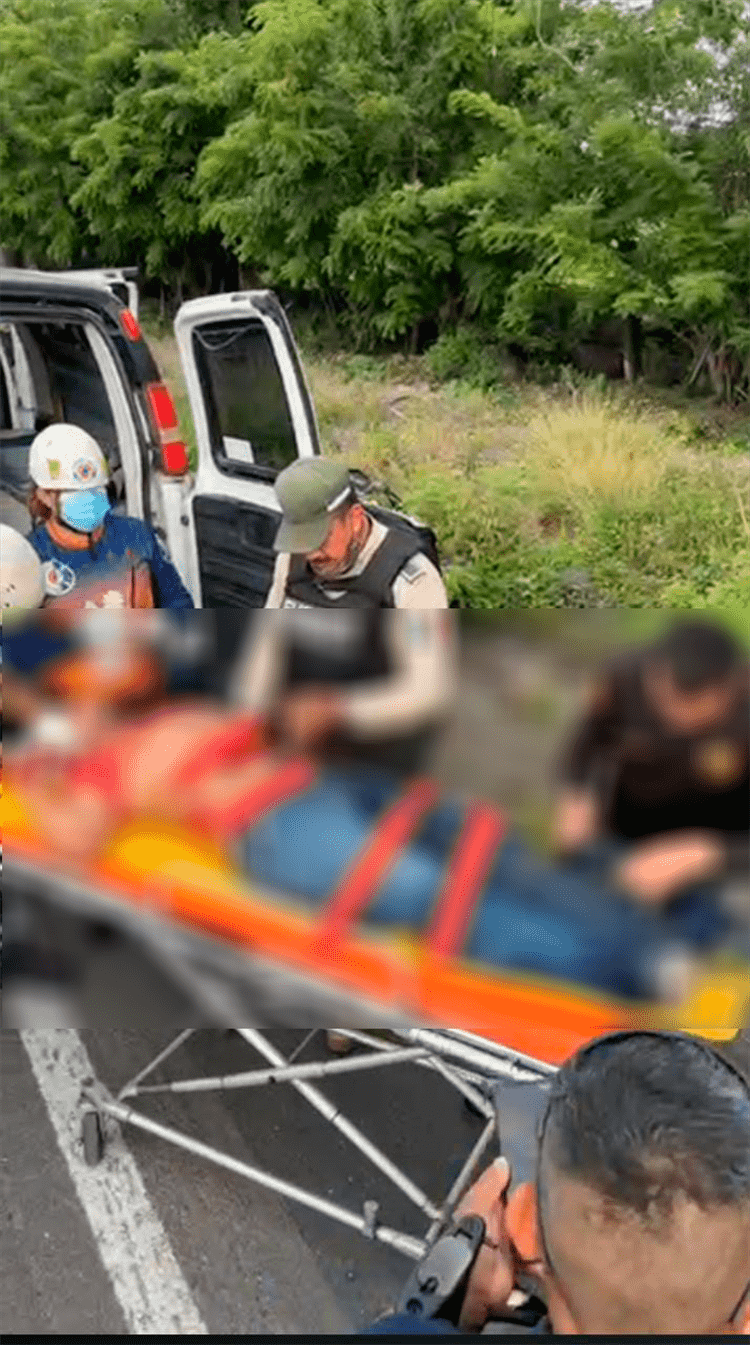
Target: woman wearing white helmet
[21, 571]
[77, 532]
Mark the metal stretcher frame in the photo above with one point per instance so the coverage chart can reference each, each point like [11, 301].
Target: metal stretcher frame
[213, 975]
[241, 991]
[229, 987]
[466, 1061]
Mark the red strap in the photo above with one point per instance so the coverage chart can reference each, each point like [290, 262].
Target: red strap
[370, 868]
[225, 743]
[469, 870]
[233, 818]
[99, 771]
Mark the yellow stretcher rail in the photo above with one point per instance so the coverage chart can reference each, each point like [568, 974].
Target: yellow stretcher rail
[197, 886]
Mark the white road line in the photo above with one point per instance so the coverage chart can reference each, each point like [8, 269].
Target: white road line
[132, 1242]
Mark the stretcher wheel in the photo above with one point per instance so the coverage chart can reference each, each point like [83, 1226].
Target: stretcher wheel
[93, 1139]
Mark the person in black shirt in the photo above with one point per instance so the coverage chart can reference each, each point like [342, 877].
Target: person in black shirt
[658, 774]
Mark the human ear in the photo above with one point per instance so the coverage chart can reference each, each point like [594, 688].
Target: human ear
[523, 1225]
[525, 1233]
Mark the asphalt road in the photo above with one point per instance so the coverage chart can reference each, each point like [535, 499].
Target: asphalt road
[252, 1261]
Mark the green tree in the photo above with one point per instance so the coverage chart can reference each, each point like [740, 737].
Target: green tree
[582, 199]
[137, 189]
[530, 166]
[63, 63]
[350, 102]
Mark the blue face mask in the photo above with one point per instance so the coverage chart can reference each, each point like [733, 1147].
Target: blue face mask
[84, 510]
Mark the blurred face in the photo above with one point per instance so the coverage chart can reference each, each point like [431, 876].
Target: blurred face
[57, 502]
[690, 712]
[346, 537]
[606, 1272]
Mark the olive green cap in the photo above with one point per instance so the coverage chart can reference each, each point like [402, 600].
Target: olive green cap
[309, 492]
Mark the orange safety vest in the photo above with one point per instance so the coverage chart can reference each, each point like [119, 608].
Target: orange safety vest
[130, 587]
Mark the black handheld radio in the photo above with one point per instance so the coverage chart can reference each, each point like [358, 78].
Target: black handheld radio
[437, 1288]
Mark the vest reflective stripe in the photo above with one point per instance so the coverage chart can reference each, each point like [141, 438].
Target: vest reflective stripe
[369, 870]
[484, 831]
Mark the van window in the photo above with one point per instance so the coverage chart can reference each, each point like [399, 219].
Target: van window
[53, 376]
[249, 419]
[76, 381]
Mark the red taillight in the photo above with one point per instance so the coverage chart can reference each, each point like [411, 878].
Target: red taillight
[174, 454]
[129, 324]
[174, 458]
[162, 407]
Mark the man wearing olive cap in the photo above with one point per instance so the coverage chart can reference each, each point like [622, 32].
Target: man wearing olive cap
[334, 553]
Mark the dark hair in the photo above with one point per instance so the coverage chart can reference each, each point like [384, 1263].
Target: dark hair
[39, 511]
[645, 1118]
[700, 654]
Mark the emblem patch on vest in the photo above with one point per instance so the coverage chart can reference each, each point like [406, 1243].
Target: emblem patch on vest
[412, 570]
[59, 579]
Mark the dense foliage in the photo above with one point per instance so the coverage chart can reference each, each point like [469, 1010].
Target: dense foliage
[528, 168]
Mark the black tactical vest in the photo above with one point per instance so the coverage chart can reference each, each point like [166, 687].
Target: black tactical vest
[372, 588]
[343, 648]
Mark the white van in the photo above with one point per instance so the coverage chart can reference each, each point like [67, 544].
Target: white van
[72, 350]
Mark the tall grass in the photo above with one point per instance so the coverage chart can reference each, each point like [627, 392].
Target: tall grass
[400, 424]
[560, 497]
[595, 450]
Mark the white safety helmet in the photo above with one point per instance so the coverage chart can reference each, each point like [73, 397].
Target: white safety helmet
[65, 457]
[22, 581]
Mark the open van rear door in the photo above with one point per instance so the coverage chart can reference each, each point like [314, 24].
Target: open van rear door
[253, 416]
[121, 280]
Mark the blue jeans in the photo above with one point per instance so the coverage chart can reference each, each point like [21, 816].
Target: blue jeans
[566, 923]
[412, 1326]
[695, 915]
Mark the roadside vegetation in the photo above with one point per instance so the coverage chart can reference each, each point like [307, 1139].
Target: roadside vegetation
[574, 494]
[459, 199]
[456, 174]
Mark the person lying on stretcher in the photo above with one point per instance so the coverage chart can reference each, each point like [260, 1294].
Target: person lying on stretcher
[299, 829]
